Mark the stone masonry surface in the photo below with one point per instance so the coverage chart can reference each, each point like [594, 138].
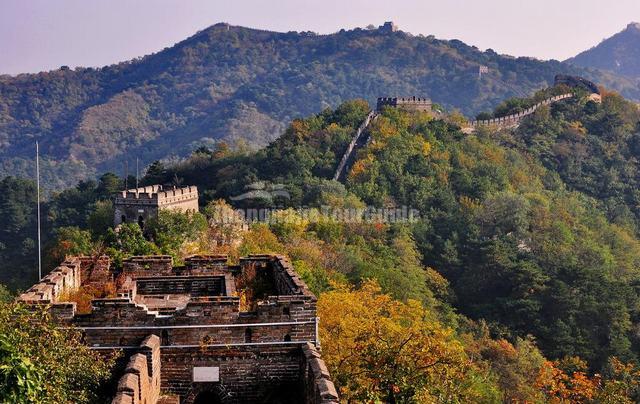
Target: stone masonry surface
[244, 333]
[138, 205]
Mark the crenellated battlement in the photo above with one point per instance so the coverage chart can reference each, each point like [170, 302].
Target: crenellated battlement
[259, 310]
[141, 204]
[64, 278]
[514, 119]
[408, 103]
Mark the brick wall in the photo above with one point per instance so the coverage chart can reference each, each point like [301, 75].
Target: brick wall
[63, 279]
[247, 374]
[95, 270]
[197, 320]
[140, 383]
[318, 387]
[148, 265]
[194, 286]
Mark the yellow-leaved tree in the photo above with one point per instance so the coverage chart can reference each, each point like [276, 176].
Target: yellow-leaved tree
[381, 349]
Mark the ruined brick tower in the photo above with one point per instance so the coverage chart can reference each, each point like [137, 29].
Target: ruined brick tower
[205, 332]
[140, 204]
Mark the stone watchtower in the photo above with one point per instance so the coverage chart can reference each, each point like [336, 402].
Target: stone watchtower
[388, 26]
[141, 204]
[406, 103]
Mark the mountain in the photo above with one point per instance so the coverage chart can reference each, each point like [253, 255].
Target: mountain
[619, 54]
[241, 86]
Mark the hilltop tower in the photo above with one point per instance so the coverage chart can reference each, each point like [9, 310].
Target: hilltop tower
[388, 26]
[138, 205]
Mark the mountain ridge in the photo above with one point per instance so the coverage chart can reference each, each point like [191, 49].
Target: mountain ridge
[619, 53]
[241, 86]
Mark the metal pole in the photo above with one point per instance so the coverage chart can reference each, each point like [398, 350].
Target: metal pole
[38, 203]
[136, 173]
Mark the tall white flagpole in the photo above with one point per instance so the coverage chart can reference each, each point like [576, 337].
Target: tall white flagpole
[38, 196]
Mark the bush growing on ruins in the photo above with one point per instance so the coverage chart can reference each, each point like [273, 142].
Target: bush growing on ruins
[126, 241]
[172, 231]
[42, 363]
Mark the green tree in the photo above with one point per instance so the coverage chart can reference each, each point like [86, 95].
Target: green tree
[69, 241]
[126, 241]
[101, 219]
[171, 231]
[43, 363]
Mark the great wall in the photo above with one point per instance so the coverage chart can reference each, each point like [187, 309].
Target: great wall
[360, 138]
[514, 120]
[204, 332]
[141, 204]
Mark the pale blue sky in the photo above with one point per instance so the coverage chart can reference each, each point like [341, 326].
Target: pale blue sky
[38, 35]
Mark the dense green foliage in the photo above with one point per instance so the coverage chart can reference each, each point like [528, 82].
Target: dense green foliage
[42, 363]
[242, 86]
[520, 248]
[86, 205]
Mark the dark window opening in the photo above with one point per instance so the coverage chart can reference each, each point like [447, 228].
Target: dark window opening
[122, 341]
[207, 397]
[123, 219]
[286, 311]
[248, 334]
[165, 338]
[141, 222]
[287, 338]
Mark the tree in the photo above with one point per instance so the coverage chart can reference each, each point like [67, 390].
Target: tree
[43, 363]
[126, 241]
[18, 230]
[69, 241]
[101, 219]
[172, 231]
[380, 349]
[108, 185]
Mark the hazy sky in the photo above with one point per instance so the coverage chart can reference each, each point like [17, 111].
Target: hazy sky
[38, 35]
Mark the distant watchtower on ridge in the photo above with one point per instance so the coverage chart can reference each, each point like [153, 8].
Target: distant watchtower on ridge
[141, 204]
[388, 26]
[406, 103]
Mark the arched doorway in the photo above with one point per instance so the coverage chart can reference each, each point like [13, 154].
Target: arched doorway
[207, 397]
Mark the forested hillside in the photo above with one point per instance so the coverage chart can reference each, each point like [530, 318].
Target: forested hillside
[521, 275]
[242, 86]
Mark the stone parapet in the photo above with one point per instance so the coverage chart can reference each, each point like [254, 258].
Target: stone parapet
[63, 279]
[140, 383]
[319, 389]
